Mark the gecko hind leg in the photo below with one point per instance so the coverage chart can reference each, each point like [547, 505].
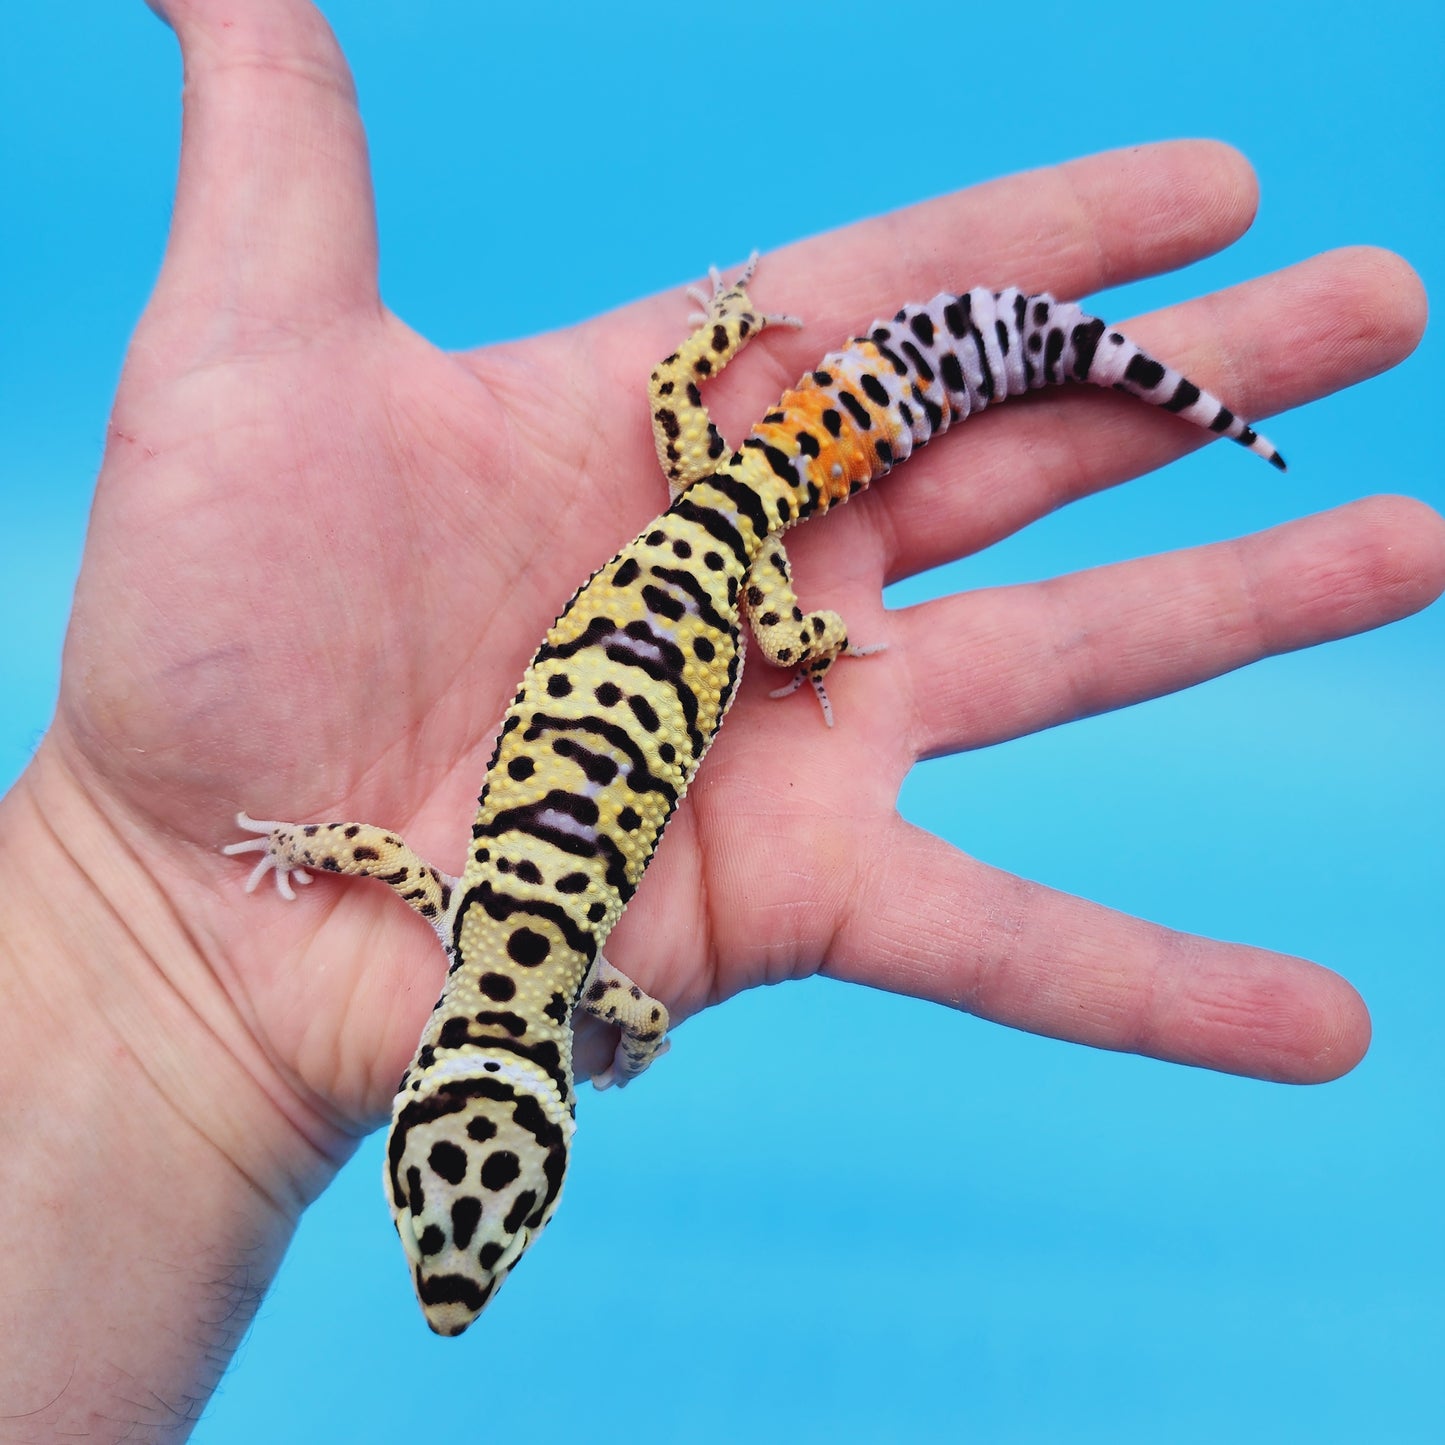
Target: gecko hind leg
[293, 851]
[689, 446]
[808, 642]
[609, 995]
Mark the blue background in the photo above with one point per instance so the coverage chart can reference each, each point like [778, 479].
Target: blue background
[1049, 1243]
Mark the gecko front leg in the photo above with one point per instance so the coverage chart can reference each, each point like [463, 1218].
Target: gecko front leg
[609, 995]
[293, 851]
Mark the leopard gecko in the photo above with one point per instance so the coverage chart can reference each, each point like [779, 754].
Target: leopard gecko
[613, 716]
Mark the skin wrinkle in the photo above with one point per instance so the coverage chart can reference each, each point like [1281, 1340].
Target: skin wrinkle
[1244, 562]
[214, 1043]
[1073, 648]
[1088, 232]
[1002, 940]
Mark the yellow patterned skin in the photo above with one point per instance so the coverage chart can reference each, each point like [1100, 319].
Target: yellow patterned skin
[610, 723]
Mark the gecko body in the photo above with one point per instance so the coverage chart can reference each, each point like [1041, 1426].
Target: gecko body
[615, 712]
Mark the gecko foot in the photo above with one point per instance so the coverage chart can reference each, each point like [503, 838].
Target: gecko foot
[271, 861]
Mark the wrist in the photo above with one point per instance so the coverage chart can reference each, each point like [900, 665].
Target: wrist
[156, 1171]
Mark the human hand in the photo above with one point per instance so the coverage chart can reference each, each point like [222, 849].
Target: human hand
[323, 551]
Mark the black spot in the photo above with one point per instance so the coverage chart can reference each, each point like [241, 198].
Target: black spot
[664, 604]
[643, 711]
[453, 1289]
[1086, 342]
[885, 452]
[952, 371]
[528, 872]
[922, 327]
[769, 619]
[558, 685]
[781, 463]
[713, 561]
[489, 1254]
[874, 389]
[432, 1240]
[626, 574]
[1144, 372]
[454, 1033]
[856, 410]
[521, 1208]
[415, 1194]
[596, 912]
[556, 1009]
[956, 315]
[703, 649]
[666, 418]
[527, 947]
[682, 549]
[466, 1215]
[481, 1129]
[666, 752]
[520, 769]
[629, 819]
[514, 1024]
[1053, 349]
[597, 767]
[894, 360]
[833, 422]
[655, 538]
[448, 1160]
[1185, 395]
[608, 694]
[571, 883]
[499, 1169]
[497, 987]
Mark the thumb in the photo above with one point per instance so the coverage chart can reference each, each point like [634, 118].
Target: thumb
[274, 226]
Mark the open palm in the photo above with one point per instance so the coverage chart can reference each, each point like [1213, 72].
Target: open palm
[323, 551]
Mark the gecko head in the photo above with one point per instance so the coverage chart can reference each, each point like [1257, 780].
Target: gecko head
[474, 1169]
